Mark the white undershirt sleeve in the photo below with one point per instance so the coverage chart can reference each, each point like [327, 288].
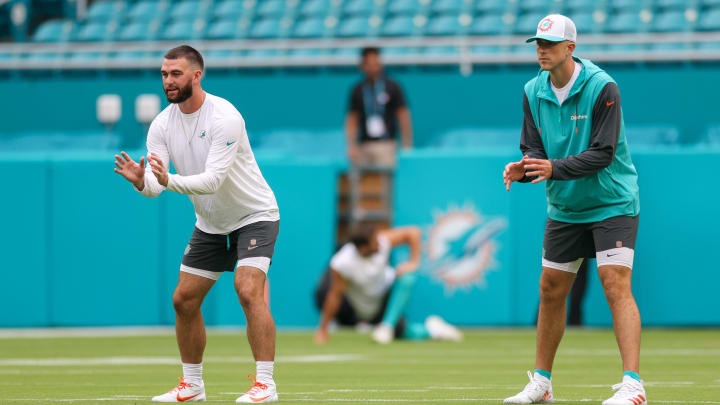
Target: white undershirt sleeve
[222, 155]
[155, 144]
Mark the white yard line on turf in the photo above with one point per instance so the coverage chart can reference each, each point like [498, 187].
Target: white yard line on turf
[141, 360]
[360, 400]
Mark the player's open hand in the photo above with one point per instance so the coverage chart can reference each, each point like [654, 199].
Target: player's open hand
[538, 167]
[406, 267]
[159, 169]
[321, 336]
[132, 171]
[514, 171]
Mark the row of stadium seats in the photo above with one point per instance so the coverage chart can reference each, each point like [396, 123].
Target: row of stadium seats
[117, 20]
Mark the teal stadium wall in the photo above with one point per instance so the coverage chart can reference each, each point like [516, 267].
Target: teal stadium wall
[79, 247]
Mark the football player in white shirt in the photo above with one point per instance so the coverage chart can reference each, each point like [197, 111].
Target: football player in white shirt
[364, 288]
[237, 217]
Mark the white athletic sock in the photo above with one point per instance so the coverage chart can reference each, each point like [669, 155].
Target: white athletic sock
[264, 372]
[192, 373]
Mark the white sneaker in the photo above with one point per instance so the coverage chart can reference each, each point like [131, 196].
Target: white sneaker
[259, 393]
[184, 392]
[439, 329]
[383, 334]
[538, 391]
[629, 392]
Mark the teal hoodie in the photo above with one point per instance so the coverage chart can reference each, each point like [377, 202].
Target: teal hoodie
[583, 188]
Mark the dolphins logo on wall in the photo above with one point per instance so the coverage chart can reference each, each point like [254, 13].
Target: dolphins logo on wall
[461, 246]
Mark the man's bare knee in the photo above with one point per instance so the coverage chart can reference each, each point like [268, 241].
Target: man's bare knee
[250, 286]
[185, 303]
[554, 285]
[616, 283]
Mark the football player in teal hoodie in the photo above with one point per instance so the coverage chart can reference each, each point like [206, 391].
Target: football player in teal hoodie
[573, 139]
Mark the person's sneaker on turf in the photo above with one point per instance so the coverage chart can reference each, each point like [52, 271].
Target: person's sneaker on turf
[259, 393]
[383, 334]
[538, 391]
[184, 392]
[629, 392]
[439, 329]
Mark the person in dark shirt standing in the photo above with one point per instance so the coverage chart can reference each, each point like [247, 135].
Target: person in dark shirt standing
[377, 105]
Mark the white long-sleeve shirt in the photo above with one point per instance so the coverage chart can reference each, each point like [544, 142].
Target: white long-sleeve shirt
[215, 166]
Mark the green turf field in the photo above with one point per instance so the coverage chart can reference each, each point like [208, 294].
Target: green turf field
[679, 367]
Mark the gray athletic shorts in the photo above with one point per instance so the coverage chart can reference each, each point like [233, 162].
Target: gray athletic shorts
[611, 241]
[208, 255]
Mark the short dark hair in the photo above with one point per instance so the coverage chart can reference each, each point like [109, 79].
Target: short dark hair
[368, 50]
[361, 234]
[187, 52]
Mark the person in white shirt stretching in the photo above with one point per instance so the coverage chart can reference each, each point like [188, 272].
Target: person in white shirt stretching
[237, 217]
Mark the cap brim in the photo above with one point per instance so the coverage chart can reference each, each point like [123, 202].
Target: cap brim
[551, 38]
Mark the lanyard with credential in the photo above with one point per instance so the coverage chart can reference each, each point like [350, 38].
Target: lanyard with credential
[370, 98]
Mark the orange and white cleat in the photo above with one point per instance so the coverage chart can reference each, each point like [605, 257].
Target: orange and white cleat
[184, 392]
[259, 393]
[537, 391]
[629, 392]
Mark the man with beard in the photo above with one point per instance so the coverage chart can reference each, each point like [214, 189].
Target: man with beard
[237, 217]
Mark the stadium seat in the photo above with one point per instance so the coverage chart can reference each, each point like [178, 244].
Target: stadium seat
[444, 25]
[449, 6]
[263, 53]
[709, 46]
[710, 3]
[670, 21]
[271, 8]
[485, 50]
[626, 5]
[406, 7]
[672, 4]
[477, 137]
[652, 135]
[186, 29]
[491, 6]
[319, 7]
[712, 135]
[672, 46]
[628, 21]
[309, 52]
[106, 11]
[709, 20]
[228, 28]
[582, 50]
[313, 27]
[319, 143]
[538, 6]
[54, 31]
[441, 50]
[399, 51]
[584, 22]
[360, 7]
[270, 28]
[147, 10]
[489, 24]
[228, 9]
[626, 48]
[527, 23]
[96, 31]
[580, 6]
[401, 25]
[190, 10]
[139, 31]
[359, 26]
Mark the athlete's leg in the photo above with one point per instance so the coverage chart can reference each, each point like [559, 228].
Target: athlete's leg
[399, 298]
[554, 288]
[250, 287]
[616, 281]
[189, 327]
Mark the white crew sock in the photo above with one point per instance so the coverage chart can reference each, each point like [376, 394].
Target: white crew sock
[192, 373]
[264, 372]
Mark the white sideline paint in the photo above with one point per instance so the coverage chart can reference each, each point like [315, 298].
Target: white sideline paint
[110, 361]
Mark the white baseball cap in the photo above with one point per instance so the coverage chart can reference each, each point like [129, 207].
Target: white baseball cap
[555, 28]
